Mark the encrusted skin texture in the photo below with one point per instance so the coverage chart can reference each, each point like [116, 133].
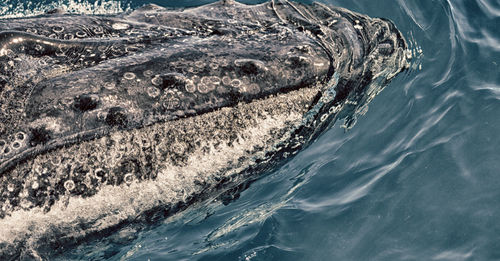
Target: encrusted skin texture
[128, 156]
[108, 120]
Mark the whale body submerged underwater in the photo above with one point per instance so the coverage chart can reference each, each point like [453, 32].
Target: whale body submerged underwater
[131, 118]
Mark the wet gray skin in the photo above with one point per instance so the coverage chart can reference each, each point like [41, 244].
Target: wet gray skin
[112, 120]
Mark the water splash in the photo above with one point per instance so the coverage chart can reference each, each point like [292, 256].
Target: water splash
[15, 8]
[251, 216]
[415, 53]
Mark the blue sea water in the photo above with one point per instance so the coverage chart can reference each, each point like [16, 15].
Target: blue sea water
[416, 178]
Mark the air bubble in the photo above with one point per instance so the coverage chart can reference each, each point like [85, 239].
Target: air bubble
[129, 75]
[6, 150]
[69, 185]
[2, 143]
[129, 177]
[153, 92]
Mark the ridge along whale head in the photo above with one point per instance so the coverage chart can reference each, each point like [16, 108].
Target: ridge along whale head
[364, 53]
[146, 112]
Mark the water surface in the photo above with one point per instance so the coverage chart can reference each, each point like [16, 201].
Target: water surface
[416, 178]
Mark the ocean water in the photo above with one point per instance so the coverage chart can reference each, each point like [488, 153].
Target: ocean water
[416, 178]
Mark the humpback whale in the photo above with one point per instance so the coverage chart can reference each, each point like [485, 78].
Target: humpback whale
[131, 118]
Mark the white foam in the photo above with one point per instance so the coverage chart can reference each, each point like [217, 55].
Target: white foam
[70, 6]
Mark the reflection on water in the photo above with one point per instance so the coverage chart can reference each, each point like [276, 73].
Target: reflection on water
[416, 178]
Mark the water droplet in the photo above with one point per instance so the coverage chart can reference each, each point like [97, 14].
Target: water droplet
[10, 187]
[35, 185]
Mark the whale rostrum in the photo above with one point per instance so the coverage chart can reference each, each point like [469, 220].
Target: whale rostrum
[131, 118]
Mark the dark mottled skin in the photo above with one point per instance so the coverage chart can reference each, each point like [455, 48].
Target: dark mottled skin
[94, 102]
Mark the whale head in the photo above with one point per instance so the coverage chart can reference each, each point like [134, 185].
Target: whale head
[131, 118]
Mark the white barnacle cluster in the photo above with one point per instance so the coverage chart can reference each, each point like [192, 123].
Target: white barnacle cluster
[13, 144]
[208, 83]
[170, 100]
